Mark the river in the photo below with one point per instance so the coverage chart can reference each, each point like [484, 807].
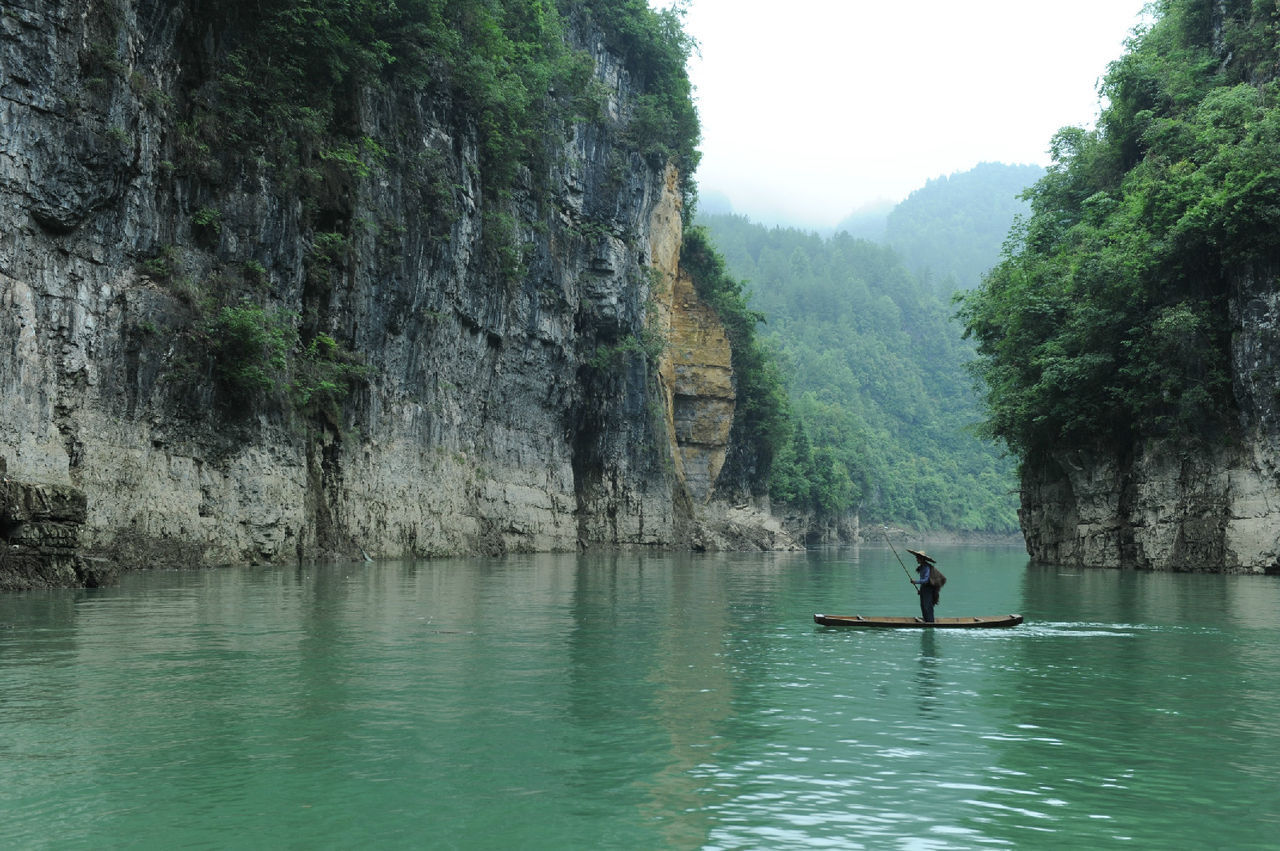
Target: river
[641, 702]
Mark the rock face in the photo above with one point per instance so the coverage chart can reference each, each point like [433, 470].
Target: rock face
[40, 538]
[501, 411]
[1172, 507]
[697, 379]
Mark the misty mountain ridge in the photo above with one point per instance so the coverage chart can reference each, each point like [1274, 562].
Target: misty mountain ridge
[948, 232]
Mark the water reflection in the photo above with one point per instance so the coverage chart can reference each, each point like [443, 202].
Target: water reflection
[929, 661]
[670, 639]
[38, 654]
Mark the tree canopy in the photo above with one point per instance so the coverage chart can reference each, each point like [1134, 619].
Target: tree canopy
[1107, 318]
[952, 228]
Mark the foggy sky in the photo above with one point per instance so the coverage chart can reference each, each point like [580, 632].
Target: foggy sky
[813, 108]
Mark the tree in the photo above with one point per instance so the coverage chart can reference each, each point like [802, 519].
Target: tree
[1107, 320]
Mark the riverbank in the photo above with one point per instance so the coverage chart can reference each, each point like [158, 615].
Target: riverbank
[904, 535]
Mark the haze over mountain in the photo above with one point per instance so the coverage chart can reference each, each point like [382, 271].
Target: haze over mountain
[813, 108]
[951, 230]
[871, 358]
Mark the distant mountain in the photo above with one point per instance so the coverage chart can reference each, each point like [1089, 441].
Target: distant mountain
[951, 230]
[872, 359]
[867, 222]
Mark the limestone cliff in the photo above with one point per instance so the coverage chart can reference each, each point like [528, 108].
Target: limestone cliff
[508, 399]
[698, 377]
[1166, 506]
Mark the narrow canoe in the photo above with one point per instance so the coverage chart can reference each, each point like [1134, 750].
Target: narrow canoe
[916, 623]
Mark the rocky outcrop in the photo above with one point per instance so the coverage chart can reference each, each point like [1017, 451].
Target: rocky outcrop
[697, 381]
[511, 401]
[816, 529]
[1165, 505]
[39, 538]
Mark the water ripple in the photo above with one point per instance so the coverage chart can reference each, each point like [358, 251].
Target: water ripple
[634, 702]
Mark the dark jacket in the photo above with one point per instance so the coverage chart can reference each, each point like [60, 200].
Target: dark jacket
[930, 580]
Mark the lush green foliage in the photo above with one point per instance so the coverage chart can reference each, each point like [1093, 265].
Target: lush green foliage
[250, 348]
[288, 85]
[951, 229]
[873, 364]
[257, 355]
[1107, 320]
[761, 418]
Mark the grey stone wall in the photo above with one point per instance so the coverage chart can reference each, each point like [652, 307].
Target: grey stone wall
[486, 424]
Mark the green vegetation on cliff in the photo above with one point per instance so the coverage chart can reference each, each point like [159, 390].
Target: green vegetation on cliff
[1107, 319]
[315, 100]
[874, 366]
[656, 47]
[761, 421]
[288, 79]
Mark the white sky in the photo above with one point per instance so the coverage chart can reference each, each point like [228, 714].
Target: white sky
[813, 108]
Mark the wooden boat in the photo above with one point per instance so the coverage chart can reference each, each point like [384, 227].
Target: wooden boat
[917, 623]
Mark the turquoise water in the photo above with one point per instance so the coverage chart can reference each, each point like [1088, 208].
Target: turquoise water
[644, 702]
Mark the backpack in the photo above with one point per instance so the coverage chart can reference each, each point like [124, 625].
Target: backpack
[936, 581]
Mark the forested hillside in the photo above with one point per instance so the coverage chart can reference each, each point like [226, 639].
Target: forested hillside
[951, 229]
[873, 362]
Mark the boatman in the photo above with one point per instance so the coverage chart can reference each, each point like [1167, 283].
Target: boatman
[928, 589]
